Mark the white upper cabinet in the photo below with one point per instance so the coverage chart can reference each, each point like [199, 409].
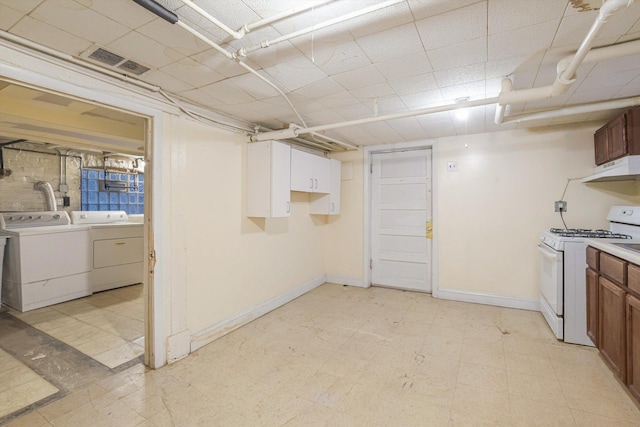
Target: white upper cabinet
[268, 179]
[328, 204]
[310, 173]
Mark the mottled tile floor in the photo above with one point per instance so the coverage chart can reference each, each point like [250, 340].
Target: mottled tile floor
[341, 356]
[106, 326]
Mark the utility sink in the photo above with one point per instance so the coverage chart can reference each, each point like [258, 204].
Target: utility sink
[631, 246]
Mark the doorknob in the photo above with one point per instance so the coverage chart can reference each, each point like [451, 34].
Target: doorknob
[428, 230]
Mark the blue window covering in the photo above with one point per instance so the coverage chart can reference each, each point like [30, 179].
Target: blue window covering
[95, 197]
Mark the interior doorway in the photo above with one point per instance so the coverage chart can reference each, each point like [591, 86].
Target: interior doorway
[401, 219]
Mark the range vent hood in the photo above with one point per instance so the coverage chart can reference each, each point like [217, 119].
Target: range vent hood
[624, 169]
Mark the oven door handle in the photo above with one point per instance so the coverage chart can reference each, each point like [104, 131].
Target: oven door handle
[547, 253]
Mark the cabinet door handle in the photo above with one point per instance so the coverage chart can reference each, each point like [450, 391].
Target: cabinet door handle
[288, 207]
[120, 243]
[316, 187]
[333, 206]
[311, 181]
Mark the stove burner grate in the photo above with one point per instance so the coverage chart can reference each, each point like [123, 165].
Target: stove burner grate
[593, 234]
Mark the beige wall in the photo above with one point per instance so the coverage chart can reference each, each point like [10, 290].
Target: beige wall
[492, 210]
[234, 263]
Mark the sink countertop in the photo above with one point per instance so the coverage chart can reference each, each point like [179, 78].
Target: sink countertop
[607, 245]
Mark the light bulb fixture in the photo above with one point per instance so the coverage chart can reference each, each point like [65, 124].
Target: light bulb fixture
[462, 113]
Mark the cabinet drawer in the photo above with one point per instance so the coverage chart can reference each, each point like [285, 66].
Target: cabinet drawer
[107, 253]
[593, 258]
[633, 277]
[612, 267]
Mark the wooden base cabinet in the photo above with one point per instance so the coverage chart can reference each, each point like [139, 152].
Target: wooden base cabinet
[612, 337]
[592, 305]
[633, 345]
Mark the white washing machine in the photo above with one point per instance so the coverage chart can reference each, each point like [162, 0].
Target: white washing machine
[46, 261]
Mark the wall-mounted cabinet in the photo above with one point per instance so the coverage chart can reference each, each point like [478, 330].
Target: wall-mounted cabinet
[268, 179]
[310, 173]
[328, 204]
[618, 138]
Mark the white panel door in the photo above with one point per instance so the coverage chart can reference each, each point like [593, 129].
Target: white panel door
[400, 210]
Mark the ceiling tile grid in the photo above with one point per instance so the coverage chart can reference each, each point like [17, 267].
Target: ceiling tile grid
[411, 55]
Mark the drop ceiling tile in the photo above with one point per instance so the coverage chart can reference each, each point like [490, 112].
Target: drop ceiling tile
[73, 18]
[522, 13]
[381, 20]
[49, 36]
[405, 66]
[415, 101]
[473, 90]
[503, 67]
[225, 92]
[353, 112]
[390, 105]
[627, 63]
[125, 12]
[254, 86]
[493, 87]
[173, 37]
[593, 94]
[573, 29]
[623, 21]
[166, 82]
[415, 84]
[192, 72]
[612, 79]
[408, 128]
[339, 99]
[323, 117]
[24, 6]
[144, 50]
[219, 63]
[365, 76]
[320, 88]
[377, 90]
[423, 9]
[459, 55]
[8, 17]
[275, 55]
[233, 13]
[335, 59]
[196, 21]
[460, 75]
[356, 135]
[390, 44]
[524, 41]
[384, 131]
[295, 73]
[457, 26]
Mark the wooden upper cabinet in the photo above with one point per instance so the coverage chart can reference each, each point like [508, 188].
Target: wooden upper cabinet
[618, 138]
[600, 145]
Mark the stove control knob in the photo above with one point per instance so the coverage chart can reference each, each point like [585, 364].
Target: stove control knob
[30, 217]
[56, 216]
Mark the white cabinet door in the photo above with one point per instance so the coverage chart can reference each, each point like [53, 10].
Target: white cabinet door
[301, 171]
[268, 179]
[328, 204]
[309, 173]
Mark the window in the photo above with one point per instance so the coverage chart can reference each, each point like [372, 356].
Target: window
[111, 191]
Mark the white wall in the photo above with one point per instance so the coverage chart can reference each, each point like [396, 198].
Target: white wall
[234, 263]
[492, 210]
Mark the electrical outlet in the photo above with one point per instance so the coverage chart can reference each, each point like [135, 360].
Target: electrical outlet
[452, 166]
[560, 206]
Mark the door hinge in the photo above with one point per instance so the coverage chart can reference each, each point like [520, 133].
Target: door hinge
[370, 264]
[371, 168]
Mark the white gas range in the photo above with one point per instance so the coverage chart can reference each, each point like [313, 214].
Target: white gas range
[562, 272]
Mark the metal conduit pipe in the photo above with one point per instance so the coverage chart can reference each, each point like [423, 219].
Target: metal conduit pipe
[296, 131]
[566, 74]
[335, 141]
[245, 51]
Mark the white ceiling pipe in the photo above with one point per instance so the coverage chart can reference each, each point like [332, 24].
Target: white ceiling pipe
[235, 34]
[337, 20]
[505, 86]
[335, 141]
[567, 76]
[205, 39]
[280, 16]
[603, 54]
[296, 131]
[575, 109]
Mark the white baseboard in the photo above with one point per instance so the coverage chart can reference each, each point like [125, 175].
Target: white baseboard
[488, 299]
[345, 280]
[210, 334]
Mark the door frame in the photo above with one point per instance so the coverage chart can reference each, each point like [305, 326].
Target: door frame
[60, 78]
[389, 148]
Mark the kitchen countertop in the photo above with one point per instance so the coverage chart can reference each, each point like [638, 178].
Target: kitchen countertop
[607, 245]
